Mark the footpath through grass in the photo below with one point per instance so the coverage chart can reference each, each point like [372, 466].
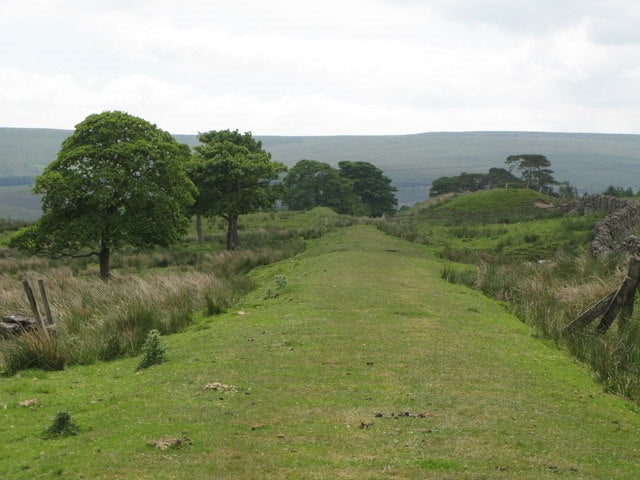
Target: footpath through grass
[352, 360]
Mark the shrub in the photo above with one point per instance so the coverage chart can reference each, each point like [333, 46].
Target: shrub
[153, 352]
[281, 281]
[61, 426]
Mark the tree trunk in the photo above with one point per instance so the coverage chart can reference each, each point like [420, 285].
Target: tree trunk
[199, 228]
[233, 240]
[105, 268]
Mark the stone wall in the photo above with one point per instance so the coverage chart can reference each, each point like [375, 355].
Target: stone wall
[595, 204]
[616, 233]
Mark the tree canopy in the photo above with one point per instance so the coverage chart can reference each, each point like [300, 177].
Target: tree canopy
[117, 180]
[472, 182]
[371, 186]
[310, 183]
[234, 176]
[535, 170]
[356, 188]
[618, 191]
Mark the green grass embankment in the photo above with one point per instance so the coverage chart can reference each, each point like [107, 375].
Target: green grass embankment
[486, 206]
[364, 365]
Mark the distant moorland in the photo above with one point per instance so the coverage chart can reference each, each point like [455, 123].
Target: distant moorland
[591, 162]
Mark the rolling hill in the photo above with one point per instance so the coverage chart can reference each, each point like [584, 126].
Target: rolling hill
[591, 162]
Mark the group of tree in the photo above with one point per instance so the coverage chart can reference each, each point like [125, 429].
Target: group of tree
[355, 188]
[618, 191]
[535, 173]
[472, 182]
[120, 180]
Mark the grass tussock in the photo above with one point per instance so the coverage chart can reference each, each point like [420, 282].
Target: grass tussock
[33, 350]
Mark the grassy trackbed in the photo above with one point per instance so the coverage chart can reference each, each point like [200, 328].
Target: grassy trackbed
[365, 365]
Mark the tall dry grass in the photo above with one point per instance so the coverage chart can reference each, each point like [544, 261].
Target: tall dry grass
[99, 320]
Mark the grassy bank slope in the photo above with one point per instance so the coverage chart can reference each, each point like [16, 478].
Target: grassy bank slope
[365, 365]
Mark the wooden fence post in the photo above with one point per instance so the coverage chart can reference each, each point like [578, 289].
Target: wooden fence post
[619, 301]
[34, 305]
[624, 300]
[45, 300]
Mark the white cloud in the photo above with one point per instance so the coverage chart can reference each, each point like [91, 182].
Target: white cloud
[350, 66]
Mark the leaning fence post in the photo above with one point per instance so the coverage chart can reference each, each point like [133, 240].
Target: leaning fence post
[624, 299]
[45, 300]
[619, 301]
[34, 305]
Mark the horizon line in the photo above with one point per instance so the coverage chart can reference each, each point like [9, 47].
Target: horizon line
[436, 132]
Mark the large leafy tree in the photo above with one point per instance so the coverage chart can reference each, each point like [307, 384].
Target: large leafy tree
[373, 188]
[117, 180]
[234, 176]
[310, 183]
[535, 170]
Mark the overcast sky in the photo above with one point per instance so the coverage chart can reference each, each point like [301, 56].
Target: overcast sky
[297, 67]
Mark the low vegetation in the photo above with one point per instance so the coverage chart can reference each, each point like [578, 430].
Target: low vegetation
[510, 246]
[495, 226]
[549, 296]
[61, 426]
[410, 377]
[159, 289]
[153, 351]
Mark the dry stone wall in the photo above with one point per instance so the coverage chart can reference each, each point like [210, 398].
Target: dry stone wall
[618, 231]
[589, 204]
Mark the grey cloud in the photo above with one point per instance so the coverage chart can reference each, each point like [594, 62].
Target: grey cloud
[519, 16]
[621, 30]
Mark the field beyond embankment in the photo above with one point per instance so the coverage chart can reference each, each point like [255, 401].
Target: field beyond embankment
[351, 360]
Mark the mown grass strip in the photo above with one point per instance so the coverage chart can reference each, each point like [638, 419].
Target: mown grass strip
[363, 364]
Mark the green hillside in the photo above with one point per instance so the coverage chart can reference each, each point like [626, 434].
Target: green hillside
[367, 365]
[485, 206]
[591, 162]
[497, 226]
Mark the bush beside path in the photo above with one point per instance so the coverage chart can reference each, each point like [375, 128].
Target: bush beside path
[351, 360]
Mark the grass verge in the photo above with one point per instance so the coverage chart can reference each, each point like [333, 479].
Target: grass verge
[365, 365]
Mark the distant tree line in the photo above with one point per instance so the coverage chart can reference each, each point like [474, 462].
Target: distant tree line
[535, 173]
[12, 181]
[10, 224]
[472, 182]
[120, 180]
[618, 191]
